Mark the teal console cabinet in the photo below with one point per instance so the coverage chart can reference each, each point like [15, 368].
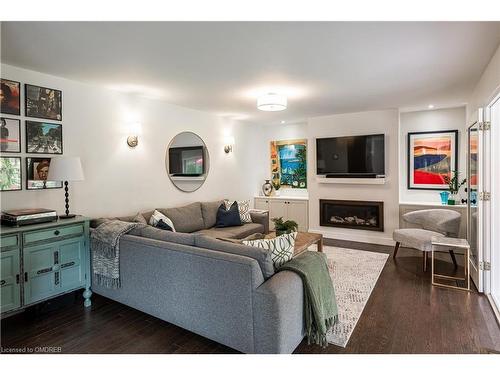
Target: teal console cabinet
[42, 261]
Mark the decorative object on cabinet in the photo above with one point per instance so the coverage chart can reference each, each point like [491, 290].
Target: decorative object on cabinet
[289, 163]
[10, 136]
[282, 227]
[66, 169]
[43, 138]
[42, 261]
[37, 170]
[444, 197]
[42, 102]
[267, 188]
[10, 97]
[10, 173]
[454, 185]
[28, 216]
[431, 157]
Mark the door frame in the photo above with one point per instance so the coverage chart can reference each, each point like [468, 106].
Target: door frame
[475, 269]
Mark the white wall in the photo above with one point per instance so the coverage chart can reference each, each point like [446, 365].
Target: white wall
[439, 119]
[487, 87]
[373, 122]
[120, 180]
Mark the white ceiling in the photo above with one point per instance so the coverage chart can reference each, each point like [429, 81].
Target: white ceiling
[323, 67]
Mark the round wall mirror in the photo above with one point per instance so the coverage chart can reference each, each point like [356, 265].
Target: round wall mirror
[187, 161]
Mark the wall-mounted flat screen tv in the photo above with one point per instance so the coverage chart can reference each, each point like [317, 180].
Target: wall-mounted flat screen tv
[186, 161]
[357, 156]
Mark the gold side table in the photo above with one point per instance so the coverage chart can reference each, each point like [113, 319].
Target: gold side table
[455, 243]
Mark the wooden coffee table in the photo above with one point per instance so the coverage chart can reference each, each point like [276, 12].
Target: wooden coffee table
[306, 239]
[303, 241]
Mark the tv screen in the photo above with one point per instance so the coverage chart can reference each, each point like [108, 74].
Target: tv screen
[186, 161]
[358, 155]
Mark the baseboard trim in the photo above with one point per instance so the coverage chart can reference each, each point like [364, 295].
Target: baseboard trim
[356, 238]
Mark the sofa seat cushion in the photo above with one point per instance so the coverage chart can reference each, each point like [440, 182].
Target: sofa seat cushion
[148, 231]
[262, 256]
[209, 212]
[415, 238]
[238, 232]
[186, 219]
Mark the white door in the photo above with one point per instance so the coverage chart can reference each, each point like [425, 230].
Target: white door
[474, 203]
[493, 277]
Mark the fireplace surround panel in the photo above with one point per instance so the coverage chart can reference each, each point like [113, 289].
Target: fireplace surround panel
[365, 215]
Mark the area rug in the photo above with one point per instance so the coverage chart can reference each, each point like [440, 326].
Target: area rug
[354, 274]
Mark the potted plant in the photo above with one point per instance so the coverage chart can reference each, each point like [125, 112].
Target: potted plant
[276, 186]
[454, 185]
[283, 227]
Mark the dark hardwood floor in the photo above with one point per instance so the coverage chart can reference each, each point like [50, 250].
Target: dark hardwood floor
[404, 314]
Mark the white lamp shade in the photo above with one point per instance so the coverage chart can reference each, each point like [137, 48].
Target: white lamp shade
[272, 102]
[65, 169]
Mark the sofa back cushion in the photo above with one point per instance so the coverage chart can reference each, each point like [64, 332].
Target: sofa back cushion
[148, 231]
[186, 219]
[262, 256]
[209, 212]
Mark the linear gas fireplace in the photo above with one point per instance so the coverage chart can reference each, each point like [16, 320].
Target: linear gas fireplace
[352, 214]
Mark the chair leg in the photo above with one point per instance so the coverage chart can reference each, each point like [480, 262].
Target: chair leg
[425, 261]
[396, 248]
[452, 254]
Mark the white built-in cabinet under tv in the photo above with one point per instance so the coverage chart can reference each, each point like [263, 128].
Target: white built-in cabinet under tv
[290, 208]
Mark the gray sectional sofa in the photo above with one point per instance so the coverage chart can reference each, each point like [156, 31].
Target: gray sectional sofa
[224, 291]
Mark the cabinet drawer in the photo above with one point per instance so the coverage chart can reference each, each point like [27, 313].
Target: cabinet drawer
[53, 234]
[9, 241]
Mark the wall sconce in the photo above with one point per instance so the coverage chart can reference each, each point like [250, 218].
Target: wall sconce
[229, 144]
[134, 129]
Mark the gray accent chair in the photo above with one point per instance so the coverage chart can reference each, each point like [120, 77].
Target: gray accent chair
[431, 223]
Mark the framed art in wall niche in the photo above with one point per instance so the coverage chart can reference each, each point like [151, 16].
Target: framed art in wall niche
[10, 98]
[289, 163]
[10, 135]
[431, 157]
[42, 102]
[37, 170]
[43, 138]
[10, 173]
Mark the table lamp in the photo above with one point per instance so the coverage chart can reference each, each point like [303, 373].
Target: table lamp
[66, 169]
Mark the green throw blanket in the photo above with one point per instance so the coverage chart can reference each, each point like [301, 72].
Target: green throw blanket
[320, 305]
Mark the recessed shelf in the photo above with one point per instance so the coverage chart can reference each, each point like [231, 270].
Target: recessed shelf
[187, 178]
[353, 181]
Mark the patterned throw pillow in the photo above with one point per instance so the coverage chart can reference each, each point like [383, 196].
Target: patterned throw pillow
[281, 247]
[157, 217]
[243, 208]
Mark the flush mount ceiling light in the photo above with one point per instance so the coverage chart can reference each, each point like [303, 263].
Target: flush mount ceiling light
[272, 102]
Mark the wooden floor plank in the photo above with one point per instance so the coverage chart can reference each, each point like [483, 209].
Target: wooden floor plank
[404, 314]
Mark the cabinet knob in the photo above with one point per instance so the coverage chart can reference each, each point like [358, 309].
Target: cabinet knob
[56, 232]
[2, 283]
[26, 276]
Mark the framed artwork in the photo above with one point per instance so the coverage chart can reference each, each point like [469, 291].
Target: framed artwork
[42, 102]
[10, 98]
[431, 157]
[289, 163]
[10, 173]
[37, 170]
[43, 138]
[10, 135]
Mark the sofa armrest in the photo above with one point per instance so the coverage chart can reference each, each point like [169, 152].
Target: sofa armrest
[260, 217]
[278, 310]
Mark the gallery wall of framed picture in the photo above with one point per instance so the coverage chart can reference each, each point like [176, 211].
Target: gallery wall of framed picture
[42, 135]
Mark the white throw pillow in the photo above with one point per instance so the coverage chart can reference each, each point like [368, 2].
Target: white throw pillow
[281, 247]
[157, 216]
[243, 209]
